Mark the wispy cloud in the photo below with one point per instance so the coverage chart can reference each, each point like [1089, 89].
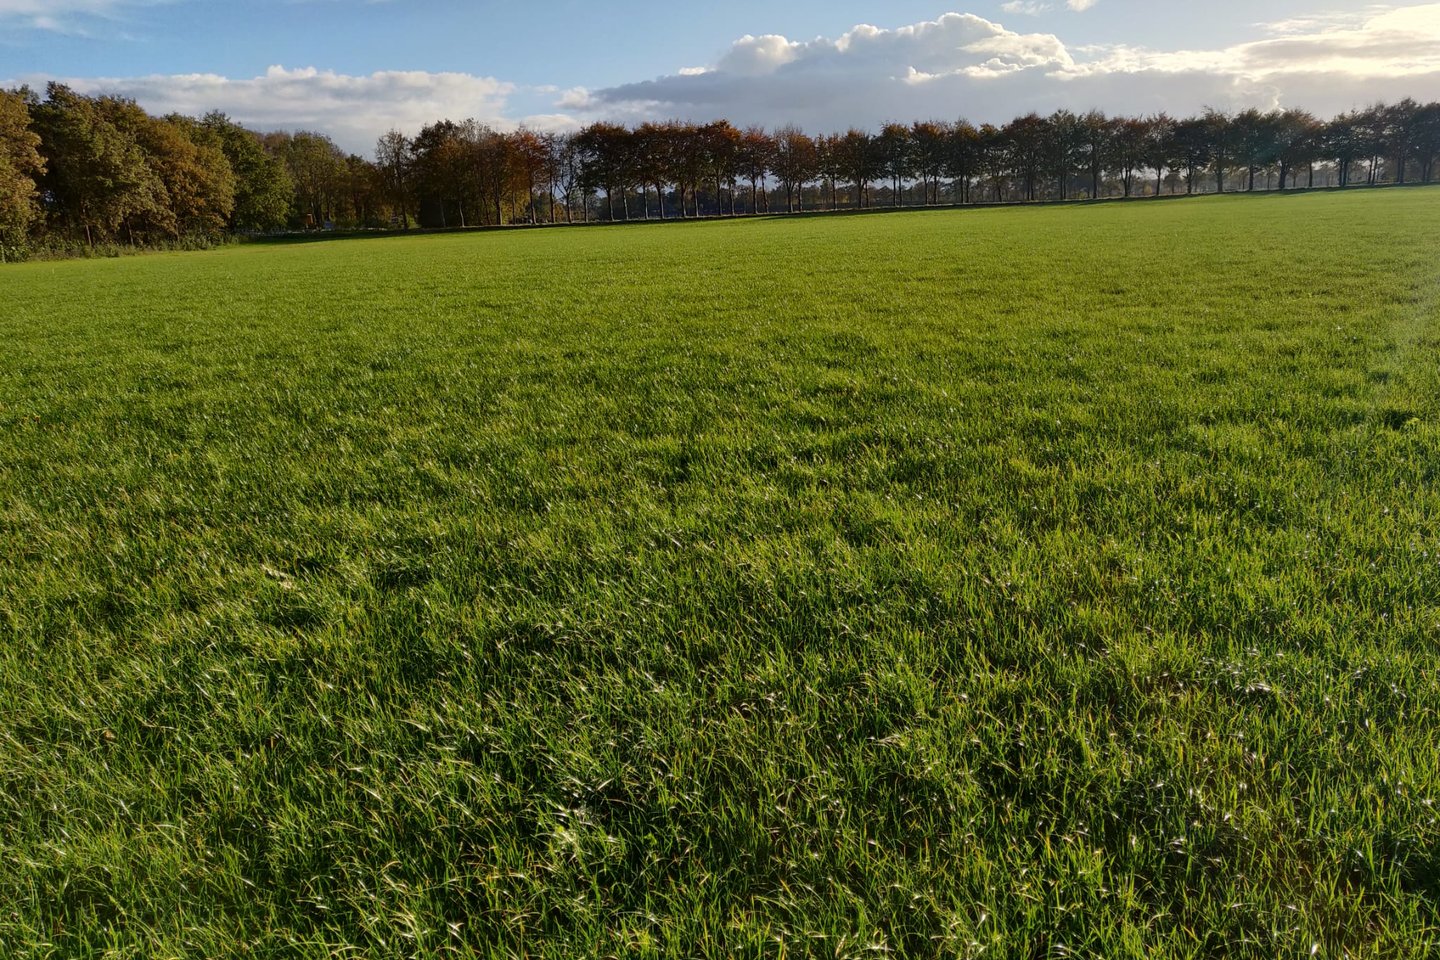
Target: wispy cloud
[66, 16]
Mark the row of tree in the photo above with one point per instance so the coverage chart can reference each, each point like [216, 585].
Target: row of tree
[457, 174]
[80, 169]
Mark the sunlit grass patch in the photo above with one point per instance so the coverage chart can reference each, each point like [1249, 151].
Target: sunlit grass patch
[1020, 582]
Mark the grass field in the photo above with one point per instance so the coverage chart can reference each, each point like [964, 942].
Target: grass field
[1028, 583]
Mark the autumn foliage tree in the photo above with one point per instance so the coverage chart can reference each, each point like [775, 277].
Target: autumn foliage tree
[21, 166]
[198, 180]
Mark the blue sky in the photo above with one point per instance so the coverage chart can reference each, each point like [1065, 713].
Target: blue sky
[563, 42]
[353, 67]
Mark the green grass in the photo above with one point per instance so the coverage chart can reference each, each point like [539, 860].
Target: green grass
[1034, 583]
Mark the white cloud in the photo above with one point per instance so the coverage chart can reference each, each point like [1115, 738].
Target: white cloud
[961, 64]
[1034, 8]
[753, 56]
[1387, 44]
[1030, 8]
[354, 110]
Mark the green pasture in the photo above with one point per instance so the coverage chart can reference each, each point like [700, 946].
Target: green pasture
[1046, 582]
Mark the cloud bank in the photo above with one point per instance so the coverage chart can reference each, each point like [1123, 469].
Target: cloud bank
[962, 64]
[956, 65]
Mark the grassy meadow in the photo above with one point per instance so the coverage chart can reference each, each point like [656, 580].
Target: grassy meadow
[1046, 582]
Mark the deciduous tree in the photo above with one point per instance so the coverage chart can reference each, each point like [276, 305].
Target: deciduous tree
[20, 167]
[393, 156]
[98, 179]
[757, 155]
[929, 140]
[795, 162]
[263, 189]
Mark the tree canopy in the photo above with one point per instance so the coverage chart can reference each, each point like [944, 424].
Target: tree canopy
[78, 169]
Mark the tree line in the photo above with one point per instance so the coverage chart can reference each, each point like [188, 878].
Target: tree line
[83, 172]
[464, 174]
[80, 170]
